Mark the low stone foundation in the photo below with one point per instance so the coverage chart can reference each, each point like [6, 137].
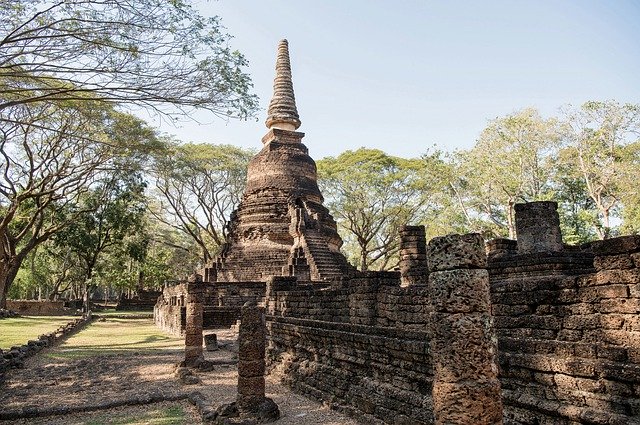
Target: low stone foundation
[39, 308]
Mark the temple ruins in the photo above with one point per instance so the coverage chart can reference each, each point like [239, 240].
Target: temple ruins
[526, 331]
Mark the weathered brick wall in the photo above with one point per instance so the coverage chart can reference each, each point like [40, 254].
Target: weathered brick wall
[363, 347]
[169, 313]
[234, 294]
[569, 341]
[221, 307]
[38, 308]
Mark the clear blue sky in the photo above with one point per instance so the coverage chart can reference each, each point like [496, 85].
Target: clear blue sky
[404, 75]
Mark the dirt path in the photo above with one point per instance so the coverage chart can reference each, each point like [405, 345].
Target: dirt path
[123, 370]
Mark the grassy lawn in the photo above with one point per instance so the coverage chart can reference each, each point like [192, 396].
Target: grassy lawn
[174, 415]
[19, 330]
[117, 336]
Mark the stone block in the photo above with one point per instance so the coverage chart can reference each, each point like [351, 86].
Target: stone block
[477, 403]
[251, 368]
[538, 227]
[456, 252]
[251, 386]
[613, 262]
[460, 291]
[614, 246]
[462, 347]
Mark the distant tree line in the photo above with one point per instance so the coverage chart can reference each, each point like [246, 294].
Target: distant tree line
[587, 159]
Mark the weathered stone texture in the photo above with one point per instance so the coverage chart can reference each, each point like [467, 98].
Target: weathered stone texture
[460, 291]
[456, 252]
[414, 269]
[193, 328]
[251, 401]
[466, 389]
[568, 338]
[281, 226]
[538, 227]
[362, 346]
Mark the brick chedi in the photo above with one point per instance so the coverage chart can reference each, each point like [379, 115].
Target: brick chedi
[281, 226]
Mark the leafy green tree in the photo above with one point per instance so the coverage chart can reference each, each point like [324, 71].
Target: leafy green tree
[371, 194]
[602, 151]
[510, 163]
[51, 157]
[199, 185]
[104, 218]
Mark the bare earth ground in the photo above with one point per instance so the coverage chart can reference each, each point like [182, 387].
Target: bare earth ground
[91, 368]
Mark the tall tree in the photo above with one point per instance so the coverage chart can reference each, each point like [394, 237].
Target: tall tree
[105, 216]
[51, 156]
[199, 186]
[510, 163]
[147, 53]
[601, 148]
[372, 194]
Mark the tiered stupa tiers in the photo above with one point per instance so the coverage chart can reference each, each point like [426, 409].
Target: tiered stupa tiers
[283, 113]
[281, 226]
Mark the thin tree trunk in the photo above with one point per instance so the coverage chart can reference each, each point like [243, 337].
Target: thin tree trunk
[363, 260]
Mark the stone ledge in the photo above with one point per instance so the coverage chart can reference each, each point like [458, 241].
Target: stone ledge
[34, 411]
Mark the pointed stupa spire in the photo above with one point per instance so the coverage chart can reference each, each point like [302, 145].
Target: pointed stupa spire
[282, 112]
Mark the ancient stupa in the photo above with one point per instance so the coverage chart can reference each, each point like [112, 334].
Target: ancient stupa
[281, 227]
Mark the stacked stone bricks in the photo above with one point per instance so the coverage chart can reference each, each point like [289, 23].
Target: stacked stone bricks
[251, 400]
[466, 389]
[538, 227]
[414, 269]
[193, 328]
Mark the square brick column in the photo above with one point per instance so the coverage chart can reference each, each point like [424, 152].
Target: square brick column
[252, 339]
[193, 329]
[413, 256]
[466, 389]
[538, 227]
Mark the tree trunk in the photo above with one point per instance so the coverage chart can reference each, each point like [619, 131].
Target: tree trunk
[511, 220]
[363, 260]
[8, 271]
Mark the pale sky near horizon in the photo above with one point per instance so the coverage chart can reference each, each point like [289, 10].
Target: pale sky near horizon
[402, 76]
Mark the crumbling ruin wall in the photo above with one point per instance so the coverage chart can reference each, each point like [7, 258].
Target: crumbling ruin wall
[169, 313]
[362, 346]
[222, 302]
[39, 307]
[569, 342]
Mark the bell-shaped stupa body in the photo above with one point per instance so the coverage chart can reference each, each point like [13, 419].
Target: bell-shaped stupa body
[281, 226]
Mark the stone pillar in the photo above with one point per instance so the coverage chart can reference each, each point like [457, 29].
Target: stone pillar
[413, 256]
[538, 227]
[251, 400]
[466, 389]
[193, 329]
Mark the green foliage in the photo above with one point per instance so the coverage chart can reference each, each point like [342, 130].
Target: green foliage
[174, 415]
[602, 151]
[117, 337]
[19, 330]
[371, 194]
[510, 163]
[198, 186]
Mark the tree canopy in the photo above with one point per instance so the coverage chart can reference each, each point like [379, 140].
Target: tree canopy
[154, 54]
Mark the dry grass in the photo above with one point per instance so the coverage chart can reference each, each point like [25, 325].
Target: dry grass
[117, 336]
